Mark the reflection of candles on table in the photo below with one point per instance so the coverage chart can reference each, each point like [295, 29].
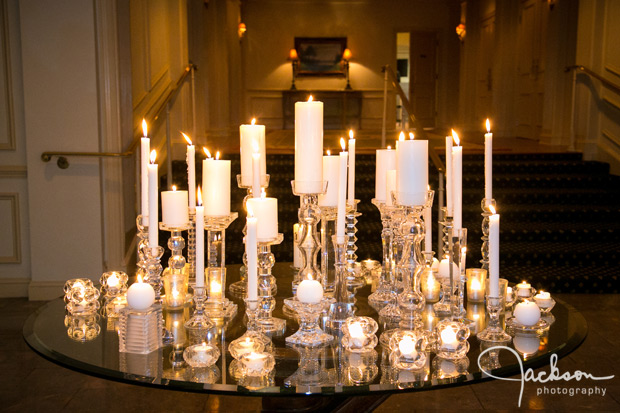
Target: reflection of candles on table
[310, 291]
[493, 253]
[448, 339]
[296, 250]
[191, 171]
[254, 362]
[527, 313]
[430, 286]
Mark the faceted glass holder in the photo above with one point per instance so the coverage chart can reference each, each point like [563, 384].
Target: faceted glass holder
[114, 306]
[191, 246]
[309, 333]
[254, 383]
[199, 325]
[75, 283]
[140, 331]
[449, 368]
[545, 305]
[175, 288]
[354, 275]
[514, 326]
[360, 367]
[386, 290]
[257, 364]
[328, 257]
[486, 213]
[503, 289]
[452, 338]
[408, 350]
[343, 306]
[494, 332]
[82, 299]
[83, 328]
[201, 355]
[265, 322]
[359, 334]
[113, 284]
[249, 343]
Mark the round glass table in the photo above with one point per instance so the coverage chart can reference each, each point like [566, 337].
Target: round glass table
[322, 371]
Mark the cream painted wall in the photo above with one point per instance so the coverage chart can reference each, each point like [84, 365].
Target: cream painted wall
[60, 107]
[370, 28]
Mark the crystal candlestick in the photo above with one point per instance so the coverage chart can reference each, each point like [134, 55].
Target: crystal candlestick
[342, 308]
[176, 263]
[113, 288]
[191, 246]
[240, 288]
[385, 293]
[354, 279]
[310, 333]
[328, 257]
[494, 332]
[199, 324]
[266, 260]
[460, 248]
[217, 305]
[486, 213]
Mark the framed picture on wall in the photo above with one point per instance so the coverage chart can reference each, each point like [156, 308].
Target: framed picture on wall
[320, 56]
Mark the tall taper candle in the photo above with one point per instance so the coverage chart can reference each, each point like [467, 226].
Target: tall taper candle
[256, 175]
[342, 191]
[351, 196]
[449, 177]
[457, 182]
[252, 253]
[308, 147]
[493, 253]
[200, 242]
[428, 229]
[145, 149]
[153, 203]
[488, 163]
[190, 159]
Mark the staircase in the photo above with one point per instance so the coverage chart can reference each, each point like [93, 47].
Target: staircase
[560, 226]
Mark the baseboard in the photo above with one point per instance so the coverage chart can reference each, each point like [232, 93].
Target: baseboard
[45, 290]
[14, 287]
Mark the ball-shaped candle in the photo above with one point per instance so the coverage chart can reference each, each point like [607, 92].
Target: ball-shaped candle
[527, 313]
[310, 291]
[140, 295]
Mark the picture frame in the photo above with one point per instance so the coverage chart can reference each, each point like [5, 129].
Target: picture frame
[320, 56]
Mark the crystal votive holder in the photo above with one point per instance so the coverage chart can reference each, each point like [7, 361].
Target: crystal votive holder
[448, 369]
[360, 368]
[76, 283]
[201, 355]
[83, 328]
[250, 342]
[82, 299]
[503, 290]
[476, 284]
[408, 350]
[309, 333]
[545, 302]
[452, 338]
[113, 283]
[430, 285]
[359, 334]
[257, 364]
[115, 306]
[175, 288]
[523, 290]
[140, 331]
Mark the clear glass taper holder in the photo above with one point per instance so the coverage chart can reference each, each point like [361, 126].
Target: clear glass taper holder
[328, 257]
[312, 371]
[385, 293]
[191, 246]
[154, 269]
[199, 324]
[460, 250]
[266, 323]
[494, 332]
[486, 213]
[176, 243]
[309, 333]
[217, 305]
[354, 275]
[240, 288]
[343, 305]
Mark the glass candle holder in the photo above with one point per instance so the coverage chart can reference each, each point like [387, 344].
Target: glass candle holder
[310, 333]
[503, 290]
[544, 302]
[113, 283]
[360, 367]
[524, 290]
[526, 344]
[248, 343]
[83, 328]
[201, 355]
[476, 284]
[114, 306]
[175, 287]
[408, 350]
[447, 369]
[140, 331]
[452, 339]
[359, 334]
[82, 299]
[257, 364]
[430, 285]
[494, 332]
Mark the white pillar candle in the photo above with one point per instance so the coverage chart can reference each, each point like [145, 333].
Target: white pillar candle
[308, 147]
[412, 176]
[145, 148]
[386, 160]
[140, 295]
[457, 182]
[153, 203]
[190, 159]
[309, 291]
[251, 137]
[527, 313]
[488, 163]
[256, 175]
[174, 208]
[494, 254]
[448, 339]
[331, 173]
[200, 242]
[428, 229]
[266, 212]
[524, 289]
[252, 253]
[390, 186]
[342, 190]
[351, 195]
[215, 186]
[296, 250]
[449, 177]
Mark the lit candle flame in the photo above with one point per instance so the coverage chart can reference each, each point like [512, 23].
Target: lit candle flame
[144, 129]
[174, 187]
[411, 135]
[189, 141]
[248, 208]
[206, 151]
[342, 144]
[153, 156]
[217, 155]
[488, 126]
[401, 137]
[492, 209]
[350, 133]
[310, 98]
[389, 147]
[139, 278]
[329, 152]
[253, 121]
[455, 136]
[463, 250]
[199, 196]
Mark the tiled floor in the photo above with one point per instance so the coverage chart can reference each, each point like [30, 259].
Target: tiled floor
[29, 383]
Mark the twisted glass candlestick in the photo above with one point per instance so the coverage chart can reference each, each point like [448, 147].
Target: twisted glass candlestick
[191, 246]
[266, 323]
[343, 307]
[486, 213]
[354, 279]
[240, 288]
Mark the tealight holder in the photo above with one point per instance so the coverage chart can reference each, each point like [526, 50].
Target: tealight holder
[266, 323]
[113, 288]
[486, 213]
[429, 284]
[251, 341]
[523, 291]
[248, 343]
[451, 339]
[201, 355]
[476, 284]
[309, 333]
[448, 369]
[477, 313]
[408, 350]
[412, 378]
[175, 288]
[140, 331]
[82, 298]
[240, 288]
[75, 283]
[359, 334]
[360, 367]
[545, 302]
[386, 290]
[256, 364]
[83, 328]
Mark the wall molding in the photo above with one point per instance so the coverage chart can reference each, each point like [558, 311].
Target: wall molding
[16, 257]
[13, 171]
[45, 290]
[14, 287]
